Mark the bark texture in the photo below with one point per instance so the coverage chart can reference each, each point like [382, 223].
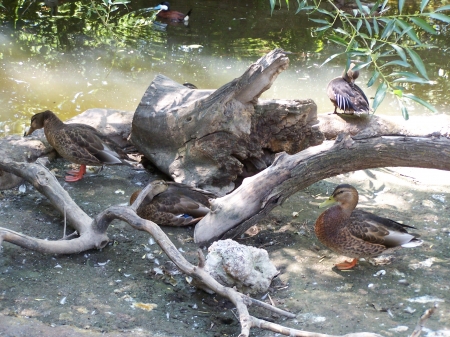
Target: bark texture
[210, 139]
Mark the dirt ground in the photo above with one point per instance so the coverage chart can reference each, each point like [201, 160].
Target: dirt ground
[107, 292]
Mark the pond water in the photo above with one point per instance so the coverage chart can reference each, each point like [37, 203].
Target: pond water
[68, 64]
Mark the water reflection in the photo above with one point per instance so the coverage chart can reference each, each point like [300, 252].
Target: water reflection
[68, 64]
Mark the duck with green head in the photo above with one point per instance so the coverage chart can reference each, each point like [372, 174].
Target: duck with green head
[356, 233]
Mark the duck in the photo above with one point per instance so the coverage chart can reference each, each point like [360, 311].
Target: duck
[356, 233]
[346, 95]
[179, 205]
[166, 14]
[353, 9]
[78, 143]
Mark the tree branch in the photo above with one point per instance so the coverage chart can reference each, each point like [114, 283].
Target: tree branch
[234, 213]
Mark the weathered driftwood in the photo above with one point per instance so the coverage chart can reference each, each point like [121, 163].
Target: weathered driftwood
[93, 235]
[233, 214]
[210, 139]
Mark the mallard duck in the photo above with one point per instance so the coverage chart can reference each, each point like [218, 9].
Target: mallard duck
[78, 143]
[179, 205]
[346, 95]
[173, 16]
[356, 233]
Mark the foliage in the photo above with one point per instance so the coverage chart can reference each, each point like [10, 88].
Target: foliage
[100, 22]
[389, 44]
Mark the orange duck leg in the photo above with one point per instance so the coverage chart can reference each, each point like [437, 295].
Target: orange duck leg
[347, 264]
[75, 175]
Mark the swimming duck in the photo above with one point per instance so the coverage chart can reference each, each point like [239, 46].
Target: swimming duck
[179, 205]
[167, 14]
[78, 143]
[357, 233]
[346, 95]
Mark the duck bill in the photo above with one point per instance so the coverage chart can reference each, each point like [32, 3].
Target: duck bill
[328, 202]
[28, 132]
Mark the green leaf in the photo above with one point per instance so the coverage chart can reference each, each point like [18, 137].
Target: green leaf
[379, 95]
[408, 77]
[398, 92]
[324, 11]
[360, 66]
[399, 51]
[373, 78]
[423, 5]
[374, 7]
[338, 40]
[330, 58]
[358, 3]
[405, 112]
[421, 101]
[368, 27]
[440, 17]
[301, 5]
[321, 28]
[408, 29]
[358, 25]
[340, 30]
[320, 21]
[272, 6]
[443, 8]
[417, 62]
[375, 26]
[388, 29]
[401, 3]
[400, 63]
[424, 25]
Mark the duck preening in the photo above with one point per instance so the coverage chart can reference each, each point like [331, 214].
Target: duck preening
[78, 143]
[356, 233]
[173, 16]
[346, 95]
[179, 205]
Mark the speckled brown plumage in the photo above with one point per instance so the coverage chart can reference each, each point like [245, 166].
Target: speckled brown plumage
[357, 233]
[179, 205]
[346, 95]
[78, 143]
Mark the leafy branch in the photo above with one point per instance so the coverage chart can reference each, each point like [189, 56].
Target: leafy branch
[389, 44]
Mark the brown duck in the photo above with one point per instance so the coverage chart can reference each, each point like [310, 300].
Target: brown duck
[356, 233]
[346, 95]
[179, 205]
[79, 143]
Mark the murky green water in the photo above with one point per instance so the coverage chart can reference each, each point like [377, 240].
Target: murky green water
[68, 64]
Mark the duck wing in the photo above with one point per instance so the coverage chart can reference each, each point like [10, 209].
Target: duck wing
[82, 144]
[347, 96]
[175, 207]
[378, 230]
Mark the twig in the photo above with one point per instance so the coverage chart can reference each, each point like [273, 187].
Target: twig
[427, 314]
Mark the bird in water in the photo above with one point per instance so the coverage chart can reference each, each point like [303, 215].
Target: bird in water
[356, 233]
[346, 95]
[166, 14]
[179, 205]
[78, 143]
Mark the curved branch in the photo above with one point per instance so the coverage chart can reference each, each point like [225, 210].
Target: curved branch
[46, 183]
[85, 242]
[233, 214]
[203, 278]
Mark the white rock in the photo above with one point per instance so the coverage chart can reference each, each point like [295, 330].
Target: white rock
[247, 268]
